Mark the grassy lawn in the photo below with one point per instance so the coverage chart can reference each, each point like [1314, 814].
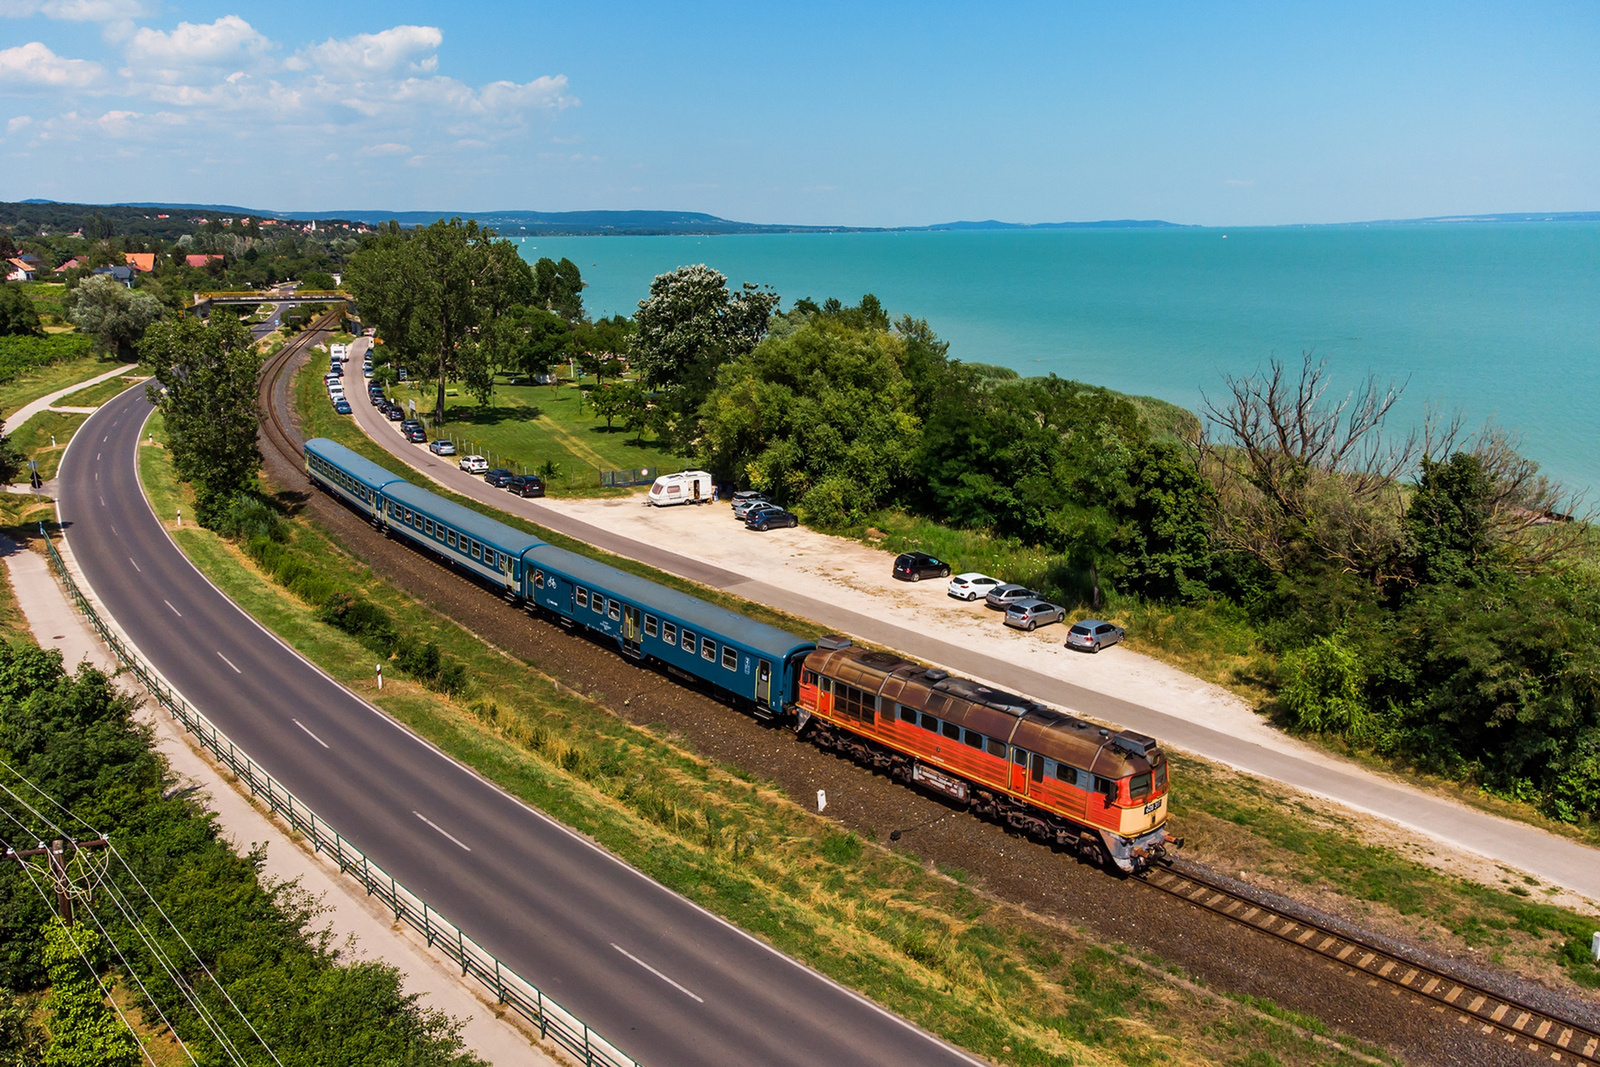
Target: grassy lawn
[34, 438]
[31, 384]
[526, 426]
[981, 974]
[96, 395]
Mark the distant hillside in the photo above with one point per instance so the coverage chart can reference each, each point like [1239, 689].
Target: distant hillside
[1103, 224]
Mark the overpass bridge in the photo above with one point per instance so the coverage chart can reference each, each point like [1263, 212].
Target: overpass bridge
[204, 302]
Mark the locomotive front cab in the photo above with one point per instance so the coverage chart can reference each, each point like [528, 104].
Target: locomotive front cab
[1140, 798]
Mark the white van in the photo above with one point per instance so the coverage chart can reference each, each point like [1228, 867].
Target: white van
[689, 487]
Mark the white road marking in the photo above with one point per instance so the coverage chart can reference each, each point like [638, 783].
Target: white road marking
[229, 662]
[453, 839]
[114, 530]
[176, 612]
[102, 501]
[309, 734]
[655, 972]
[134, 562]
[97, 457]
[97, 476]
[106, 438]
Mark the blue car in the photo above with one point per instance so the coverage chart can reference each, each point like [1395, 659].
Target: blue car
[342, 407]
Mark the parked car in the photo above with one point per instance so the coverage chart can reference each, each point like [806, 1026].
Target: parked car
[743, 508]
[971, 586]
[416, 435]
[915, 566]
[1092, 635]
[342, 407]
[366, 370]
[394, 412]
[1003, 596]
[442, 447]
[742, 495]
[772, 519]
[525, 485]
[474, 464]
[1033, 613]
[499, 477]
[379, 401]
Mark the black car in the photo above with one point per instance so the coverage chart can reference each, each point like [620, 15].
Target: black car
[499, 477]
[394, 412]
[415, 434]
[525, 485]
[915, 566]
[772, 519]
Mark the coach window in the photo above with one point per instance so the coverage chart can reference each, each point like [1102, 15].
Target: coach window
[669, 633]
[597, 604]
[410, 516]
[581, 595]
[450, 538]
[929, 722]
[730, 658]
[708, 649]
[538, 578]
[613, 610]
[908, 715]
[652, 625]
[688, 642]
[972, 739]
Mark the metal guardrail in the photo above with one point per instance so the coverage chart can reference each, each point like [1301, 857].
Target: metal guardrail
[554, 1022]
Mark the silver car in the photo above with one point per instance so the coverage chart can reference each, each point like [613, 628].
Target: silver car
[1003, 596]
[1092, 635]
[1032, 613]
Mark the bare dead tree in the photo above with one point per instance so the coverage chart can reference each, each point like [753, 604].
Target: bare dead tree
[1534, 522]
[1295, 469]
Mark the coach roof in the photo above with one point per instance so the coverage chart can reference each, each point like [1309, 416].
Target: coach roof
[357, 466]
[511, 541]
[682, 608]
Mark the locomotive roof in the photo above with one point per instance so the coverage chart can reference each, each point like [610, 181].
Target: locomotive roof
[508, 539]
[678, 606]
[352, 463]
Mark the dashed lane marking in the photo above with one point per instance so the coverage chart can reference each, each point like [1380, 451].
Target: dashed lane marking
[133, 561]
[229, 662]
[176, 612]
[309, 734]
[452, 837]
[657, 973]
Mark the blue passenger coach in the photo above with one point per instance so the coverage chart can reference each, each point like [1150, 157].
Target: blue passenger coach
[352, 477]
[757, 663]
[475, 543]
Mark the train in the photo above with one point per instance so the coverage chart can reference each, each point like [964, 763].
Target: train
[1052, 776]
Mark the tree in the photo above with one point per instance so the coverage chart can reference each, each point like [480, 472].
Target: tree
[114, 315]
[318, 279]
[17, 313]
[558, 287]
[533, 340]
[689, 326]
[84, 1032]
[433, 293]
[208, 398]
[602, 344]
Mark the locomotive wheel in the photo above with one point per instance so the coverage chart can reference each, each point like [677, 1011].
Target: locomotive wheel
[1094, 854]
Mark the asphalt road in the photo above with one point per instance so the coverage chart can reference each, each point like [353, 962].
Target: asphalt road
[1556, 859]
[662, 979]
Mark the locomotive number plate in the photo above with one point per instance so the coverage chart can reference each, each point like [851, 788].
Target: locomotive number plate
[1154, 805]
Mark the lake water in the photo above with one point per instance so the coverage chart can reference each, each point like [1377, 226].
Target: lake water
[1496, 321]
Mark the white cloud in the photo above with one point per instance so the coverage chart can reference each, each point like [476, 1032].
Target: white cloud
[18, 123]
[73, 10]
[35, 65]
[373, 52]
[388, 148]
[221, 43]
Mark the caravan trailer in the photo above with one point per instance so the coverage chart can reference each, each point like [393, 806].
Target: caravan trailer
[689, 487]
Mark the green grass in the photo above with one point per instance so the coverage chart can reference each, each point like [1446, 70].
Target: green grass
[979, 974]
[96, 395]
[30, 384]
[34, 436]
[526, 426]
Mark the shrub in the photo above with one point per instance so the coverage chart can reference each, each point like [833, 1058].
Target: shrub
[248, 517]
[362, 618]
[420, 659]
[1324, 687]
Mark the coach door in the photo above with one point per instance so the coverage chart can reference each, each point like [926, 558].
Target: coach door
[764, 683]
[630, 630]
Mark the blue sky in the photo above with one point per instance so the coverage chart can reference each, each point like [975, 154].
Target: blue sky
[857, 114]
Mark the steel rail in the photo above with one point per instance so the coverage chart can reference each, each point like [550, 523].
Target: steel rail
[1492, 1011]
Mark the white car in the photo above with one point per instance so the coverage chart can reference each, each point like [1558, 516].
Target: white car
[474, 464]
[971, 586]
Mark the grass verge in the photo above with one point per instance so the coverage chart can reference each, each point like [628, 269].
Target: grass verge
[44, 439]
[978, 973]
[31, 384]
[96, 395]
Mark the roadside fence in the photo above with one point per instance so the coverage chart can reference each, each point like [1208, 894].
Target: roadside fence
[511, 990]
[633, 476]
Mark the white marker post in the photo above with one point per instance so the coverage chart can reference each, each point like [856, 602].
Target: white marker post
[1594, 946]
[380, 676]
[822, 800]
[180, 517]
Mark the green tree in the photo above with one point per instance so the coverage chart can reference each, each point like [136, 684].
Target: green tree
[208, 398]
[434, 293]
[17, 313]
[1164, 531]
[689, 326]
[114, 315]
[558, 287]
[318, 279]
[1447, 524]
[533, 340]
[84, 1031]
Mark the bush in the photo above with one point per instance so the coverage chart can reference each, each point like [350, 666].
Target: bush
[420, 659]
[248, 517]
[362, 618]
[1324, 688]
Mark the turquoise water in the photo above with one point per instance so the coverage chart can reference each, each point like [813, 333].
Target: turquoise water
[1491, 321]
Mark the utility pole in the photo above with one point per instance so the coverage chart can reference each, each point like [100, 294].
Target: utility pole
[56, 852]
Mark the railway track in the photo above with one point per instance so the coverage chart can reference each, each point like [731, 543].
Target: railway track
[1493, 1013]
[276, 429]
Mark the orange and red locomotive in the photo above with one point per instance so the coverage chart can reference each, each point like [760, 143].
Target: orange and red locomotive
[1050, 775]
